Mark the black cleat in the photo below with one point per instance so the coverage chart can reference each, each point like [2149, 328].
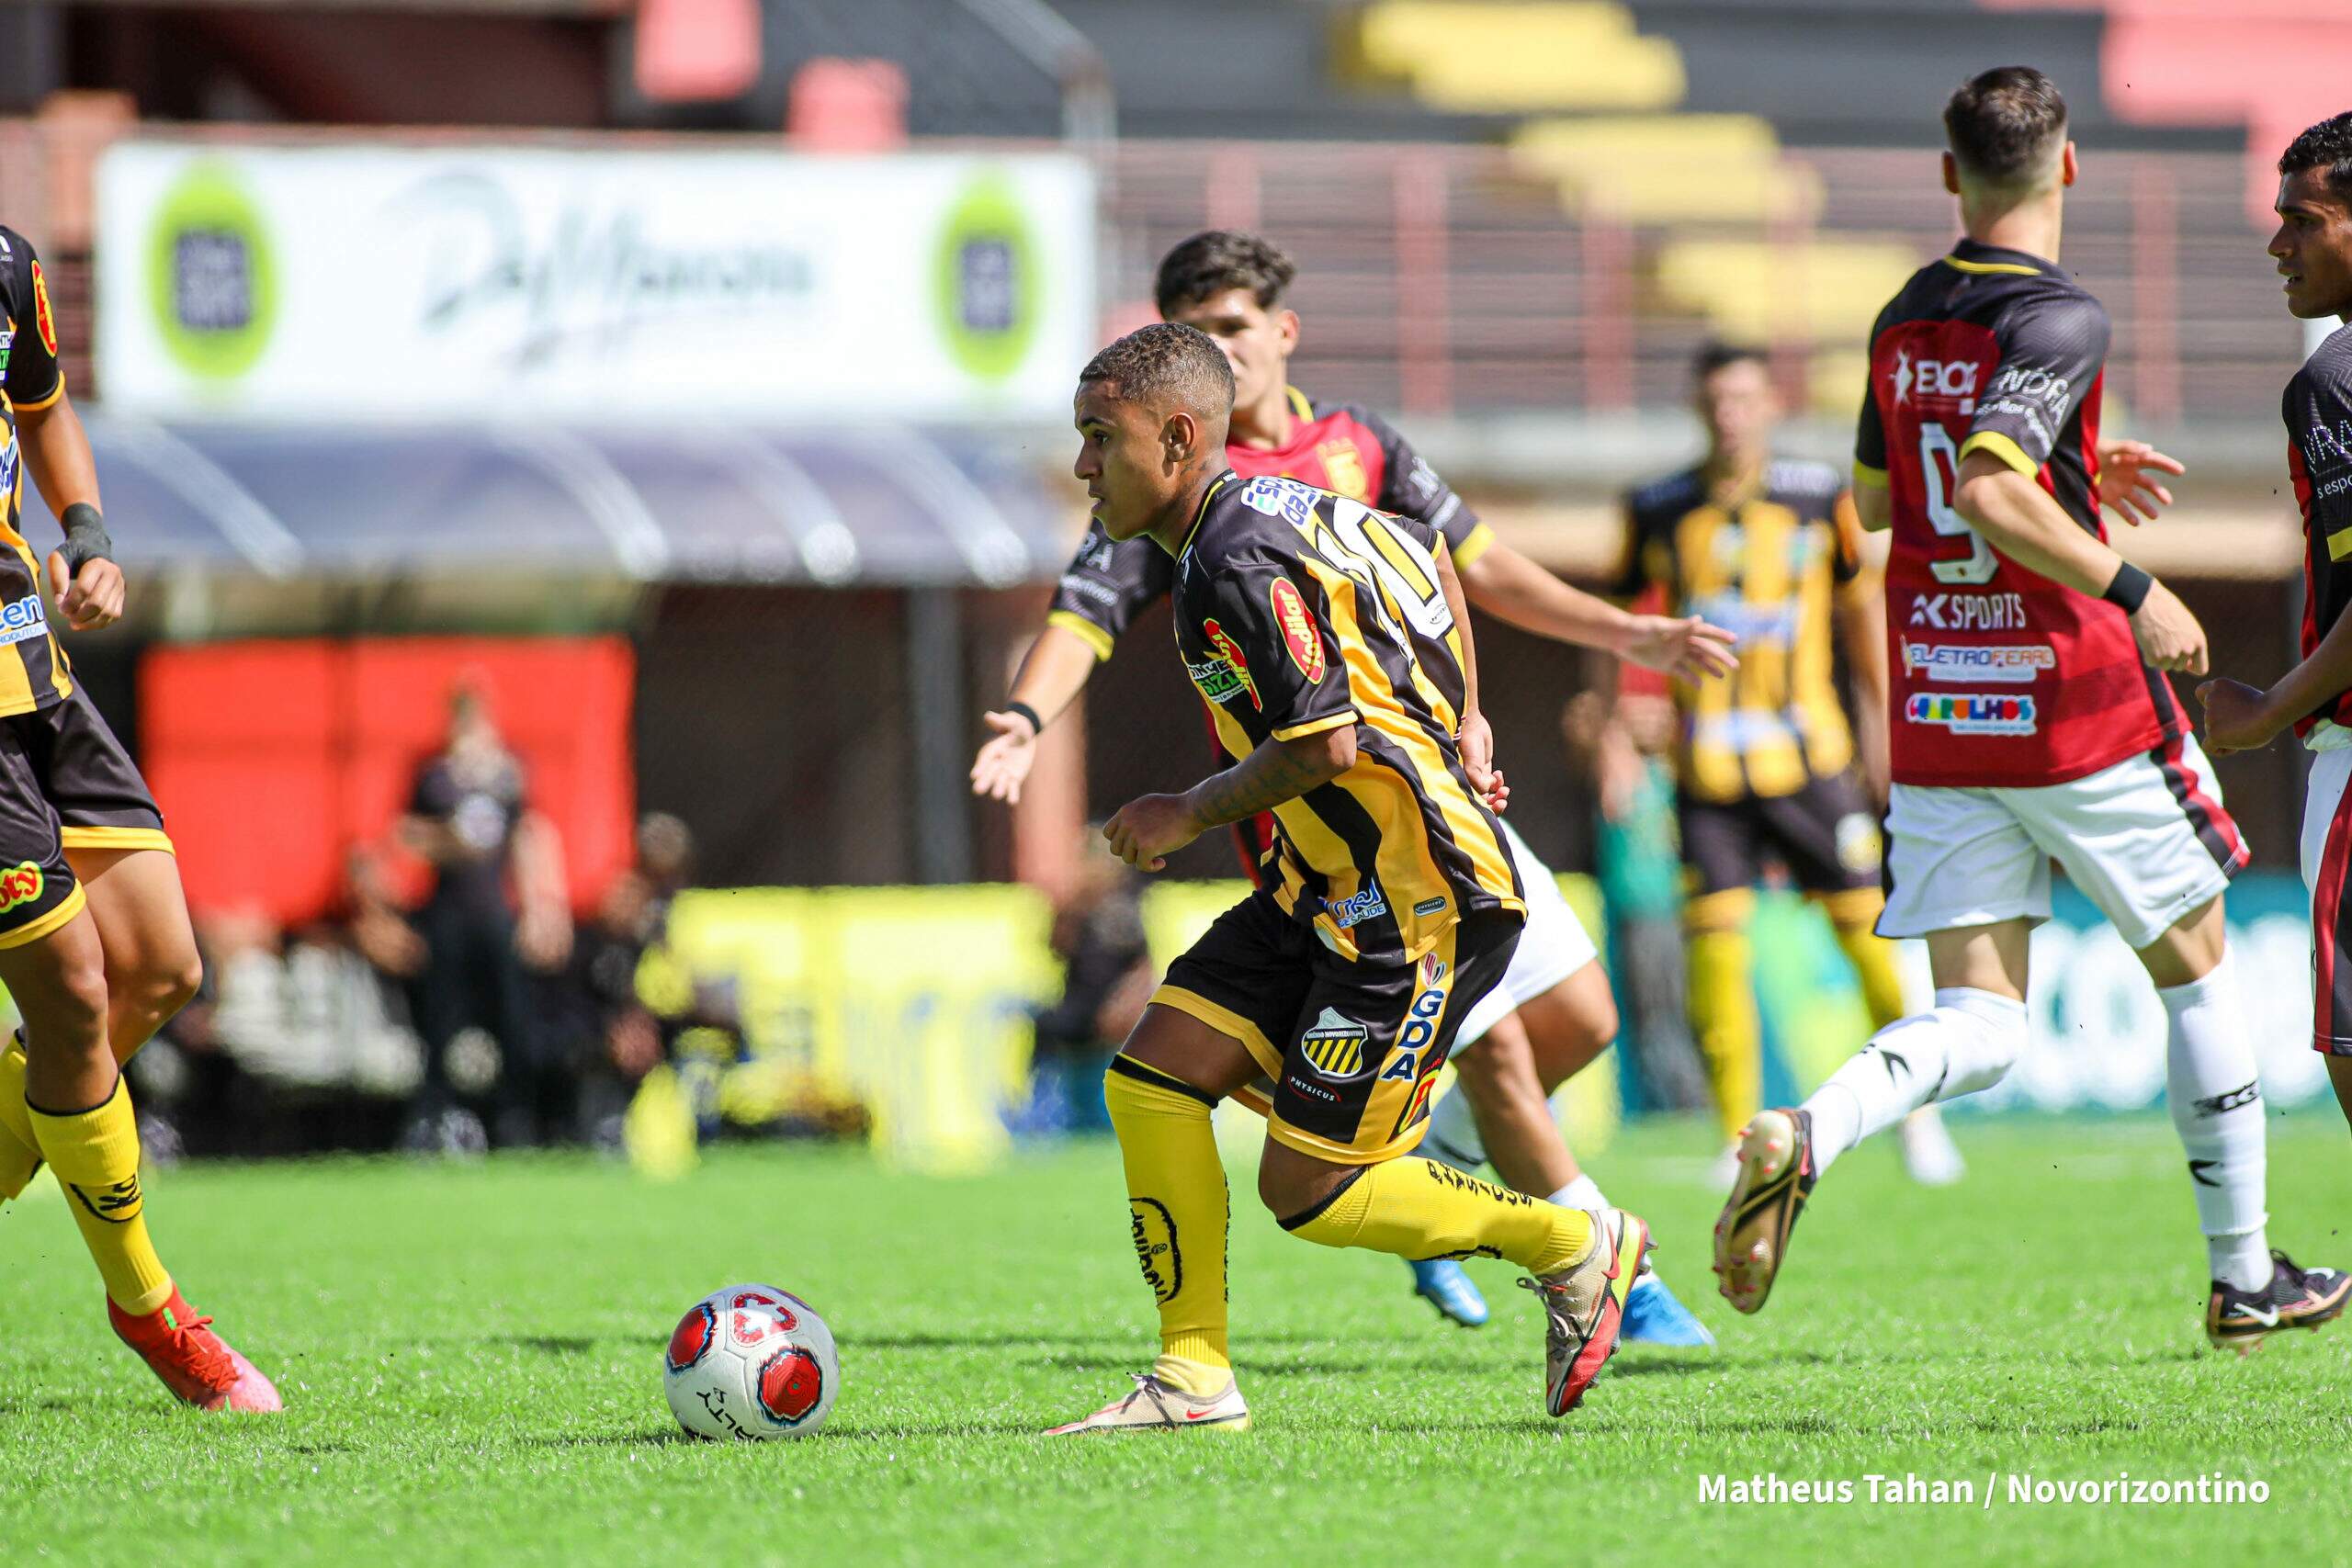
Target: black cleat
[2295, 1298]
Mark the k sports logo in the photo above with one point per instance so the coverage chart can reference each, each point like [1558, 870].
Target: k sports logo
[1968, 612]
[1973, 713]
[2016, 665]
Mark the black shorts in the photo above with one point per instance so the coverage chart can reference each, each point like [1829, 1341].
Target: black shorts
[65, 784]
[1350, 1051]
[1825, 834]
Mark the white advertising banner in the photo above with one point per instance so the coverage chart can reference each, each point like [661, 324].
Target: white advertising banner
[433, 282]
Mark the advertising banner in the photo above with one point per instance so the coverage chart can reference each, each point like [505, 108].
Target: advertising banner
[432, 283]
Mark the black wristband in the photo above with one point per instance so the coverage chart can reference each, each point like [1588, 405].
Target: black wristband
[2130, 589]
[86, 536]
[1037, 725]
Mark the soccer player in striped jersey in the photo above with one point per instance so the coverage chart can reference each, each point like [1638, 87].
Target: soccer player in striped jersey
[1554, 1012]
[1329, 644]
[96, 947]
[2032, 721]
[2313, 247]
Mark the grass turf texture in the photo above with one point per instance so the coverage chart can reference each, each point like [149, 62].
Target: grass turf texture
[471, 1356]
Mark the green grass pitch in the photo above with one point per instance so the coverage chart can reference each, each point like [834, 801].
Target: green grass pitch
[470, 1357]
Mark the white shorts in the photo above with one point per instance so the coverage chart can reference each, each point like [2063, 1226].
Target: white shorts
[1554, 946]
[2147, 840]
[2327, 856]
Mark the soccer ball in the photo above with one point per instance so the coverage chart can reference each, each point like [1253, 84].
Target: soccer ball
[750, 1361]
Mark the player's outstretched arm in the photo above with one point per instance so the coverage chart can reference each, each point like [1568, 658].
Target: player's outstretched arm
[1056, 669]
[2014, 515]
[1149, 828]
[1511, 588]
[82, 579]
[2239, 717]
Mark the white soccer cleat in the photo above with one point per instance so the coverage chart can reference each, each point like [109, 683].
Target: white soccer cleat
[1928, 1153]
[1156, 1406]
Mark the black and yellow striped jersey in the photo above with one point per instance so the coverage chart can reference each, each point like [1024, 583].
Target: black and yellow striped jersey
[33, 671]
[1765, 560]
[1297, 610]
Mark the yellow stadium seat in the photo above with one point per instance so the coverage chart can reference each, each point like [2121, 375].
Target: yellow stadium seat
[1503, 59]
[1723, 168]
[1822, 290]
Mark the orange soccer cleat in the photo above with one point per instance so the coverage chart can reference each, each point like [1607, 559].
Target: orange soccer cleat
[196, 1364]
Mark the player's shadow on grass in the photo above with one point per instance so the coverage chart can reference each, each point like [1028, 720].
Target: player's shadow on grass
[653, 1437]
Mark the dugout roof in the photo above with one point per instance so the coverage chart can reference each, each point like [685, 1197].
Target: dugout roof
[870, 504]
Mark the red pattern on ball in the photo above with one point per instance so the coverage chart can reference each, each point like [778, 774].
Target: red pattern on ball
[791, 1384]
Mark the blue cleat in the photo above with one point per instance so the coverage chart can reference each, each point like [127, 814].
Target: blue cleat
[1653, 1316]
[1442, 1281]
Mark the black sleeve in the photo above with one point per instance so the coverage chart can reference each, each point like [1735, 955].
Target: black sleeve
[1410, 488]
[33, 379]
[1106, 585]
[1633, 556]
[1870, 431]
[2052, 349]
[1279, 620]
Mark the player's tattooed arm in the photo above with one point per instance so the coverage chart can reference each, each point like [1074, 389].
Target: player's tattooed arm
[1146, 830]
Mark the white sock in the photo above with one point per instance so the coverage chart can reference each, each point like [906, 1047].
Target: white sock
[2215, 1099]
[1966, 1042]
[1582, 1193]
[1452, 1137]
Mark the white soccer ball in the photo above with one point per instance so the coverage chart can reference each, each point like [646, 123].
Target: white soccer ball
[750, 1361]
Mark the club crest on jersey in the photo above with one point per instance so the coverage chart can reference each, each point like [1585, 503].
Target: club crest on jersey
[1299, 635]
[1333, 1044]
[1226, 676]
[42, 318]
[2010, 666]
[1973, 713]
[1343, 468]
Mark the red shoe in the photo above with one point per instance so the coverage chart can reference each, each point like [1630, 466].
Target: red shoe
[195, 1363]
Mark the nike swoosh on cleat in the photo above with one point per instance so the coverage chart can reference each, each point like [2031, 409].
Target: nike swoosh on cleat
[1196, 1414]
[2267, 1319]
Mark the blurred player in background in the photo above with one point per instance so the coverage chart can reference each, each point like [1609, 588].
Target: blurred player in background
[96, 947]
[1767, 760]
[1553, 1013]
[2313, 248]
[2035, 723]
[1333, 650]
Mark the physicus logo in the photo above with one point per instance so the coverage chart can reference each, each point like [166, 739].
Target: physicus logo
[19, 885]
[1227, 675]
[1299, 635]
[212, 281]
[1973, 713]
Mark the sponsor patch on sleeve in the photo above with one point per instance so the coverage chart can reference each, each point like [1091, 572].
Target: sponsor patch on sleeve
[1299, 635]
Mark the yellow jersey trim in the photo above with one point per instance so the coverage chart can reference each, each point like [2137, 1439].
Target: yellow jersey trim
[1086, 631]
[2003, 447]
[116, 838]
[1315, 726]
[1481, 538]
[1283, 1133]
[48, 402]
[73, 905]
[2339, 544]
[1201, 515]
[2011, 267]
[1868, 478]
[1299, 405]
[1226, 1021]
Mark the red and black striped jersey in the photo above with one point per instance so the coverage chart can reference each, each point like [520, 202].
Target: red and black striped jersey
[1300, 611]
[33, 672]
[2318, 410]
[1999, 676]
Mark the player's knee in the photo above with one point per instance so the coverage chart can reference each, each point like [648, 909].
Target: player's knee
[1291, 1184]
[71, 1003]
[1986, 1035]
[173, 984]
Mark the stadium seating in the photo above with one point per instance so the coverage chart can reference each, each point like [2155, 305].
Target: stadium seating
[1503, 59]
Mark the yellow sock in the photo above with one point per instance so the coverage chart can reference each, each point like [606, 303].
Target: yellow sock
[20, 1155]
[1418, 1208]
[1872, 957]
[1724, 1022]
[96, 1156]
[1178, 1211]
